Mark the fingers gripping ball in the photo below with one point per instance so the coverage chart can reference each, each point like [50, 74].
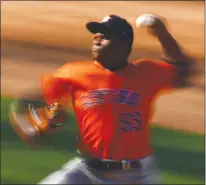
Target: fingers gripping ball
[153, 23]
[34, 122]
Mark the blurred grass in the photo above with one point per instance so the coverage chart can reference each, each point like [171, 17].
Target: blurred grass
[180, 155]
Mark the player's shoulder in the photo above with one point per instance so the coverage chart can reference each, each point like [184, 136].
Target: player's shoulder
[144, 63]
[76, 64]
[152, 63]
[73, 68]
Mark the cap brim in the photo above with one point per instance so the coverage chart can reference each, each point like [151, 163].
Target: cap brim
[95, 27]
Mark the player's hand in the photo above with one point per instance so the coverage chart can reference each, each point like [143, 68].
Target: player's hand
[154, 24]
[35, 122]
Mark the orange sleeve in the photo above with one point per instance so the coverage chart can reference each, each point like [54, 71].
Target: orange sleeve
[164, 75]
[57, 87]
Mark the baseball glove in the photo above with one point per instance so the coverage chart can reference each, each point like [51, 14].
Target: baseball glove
[34, 122]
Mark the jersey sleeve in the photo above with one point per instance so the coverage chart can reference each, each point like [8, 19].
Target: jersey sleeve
[56, 87]
[165, 75]
[161, 74]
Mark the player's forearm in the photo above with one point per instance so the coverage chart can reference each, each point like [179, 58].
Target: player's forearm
[35, 122]
[173, 54]
[49, 115]
[171, 49]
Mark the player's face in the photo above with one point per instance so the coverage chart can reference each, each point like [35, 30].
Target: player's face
[108, 47]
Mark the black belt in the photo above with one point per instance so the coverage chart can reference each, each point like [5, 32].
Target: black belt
[112, 165]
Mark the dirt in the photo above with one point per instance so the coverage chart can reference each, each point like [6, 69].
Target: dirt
[38, 36]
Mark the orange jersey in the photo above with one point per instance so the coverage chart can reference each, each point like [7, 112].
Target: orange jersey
[113, 109]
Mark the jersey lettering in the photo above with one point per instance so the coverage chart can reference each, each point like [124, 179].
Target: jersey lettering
[131, 121]
[102, 96]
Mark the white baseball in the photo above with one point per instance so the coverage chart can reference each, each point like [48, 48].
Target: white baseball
[145, 20]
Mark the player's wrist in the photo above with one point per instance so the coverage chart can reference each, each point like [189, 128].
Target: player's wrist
[47, 118]
[31, 121]
[164, 35]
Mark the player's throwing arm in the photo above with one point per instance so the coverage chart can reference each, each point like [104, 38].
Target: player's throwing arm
[172, 53]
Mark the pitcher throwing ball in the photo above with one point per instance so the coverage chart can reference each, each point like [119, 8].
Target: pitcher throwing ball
[112, 100]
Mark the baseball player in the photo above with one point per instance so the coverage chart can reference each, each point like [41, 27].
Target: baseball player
[112, 100]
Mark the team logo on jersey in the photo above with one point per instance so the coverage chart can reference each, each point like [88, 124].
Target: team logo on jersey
[102, 96]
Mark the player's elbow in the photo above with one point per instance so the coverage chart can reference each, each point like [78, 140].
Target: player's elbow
[186, 71]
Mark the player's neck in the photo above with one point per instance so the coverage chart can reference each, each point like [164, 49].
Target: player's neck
[111, 67]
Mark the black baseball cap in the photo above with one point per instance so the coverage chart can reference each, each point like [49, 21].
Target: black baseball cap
[112, 24]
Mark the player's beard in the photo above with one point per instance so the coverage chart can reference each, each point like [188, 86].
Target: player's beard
[101, 55]
[110, 56]
[107, 60]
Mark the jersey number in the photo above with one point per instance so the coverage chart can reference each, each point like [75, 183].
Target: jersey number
[131, 121]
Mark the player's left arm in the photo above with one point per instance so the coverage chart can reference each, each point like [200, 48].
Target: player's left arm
[35, 116]
[172, 54]
[174, 67]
